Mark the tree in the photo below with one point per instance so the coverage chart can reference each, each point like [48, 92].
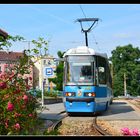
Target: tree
[7, 42]
[59, 73]
[126, 60]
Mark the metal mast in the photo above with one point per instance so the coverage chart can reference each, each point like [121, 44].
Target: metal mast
[89, 29]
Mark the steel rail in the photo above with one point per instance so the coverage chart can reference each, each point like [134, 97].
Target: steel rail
[98, 128]
[57, 123]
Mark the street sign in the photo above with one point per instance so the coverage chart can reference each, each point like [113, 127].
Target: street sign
[48, 72]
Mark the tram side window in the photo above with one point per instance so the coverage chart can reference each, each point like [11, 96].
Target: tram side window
[102, 70]
[109, 79]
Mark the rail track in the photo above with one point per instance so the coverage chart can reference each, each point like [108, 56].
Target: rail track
[57, 123]
[95, 126]
[98, 128]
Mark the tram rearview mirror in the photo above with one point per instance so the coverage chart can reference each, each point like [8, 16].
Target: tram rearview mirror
[101, 69]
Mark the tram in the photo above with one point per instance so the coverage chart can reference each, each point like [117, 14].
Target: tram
[87, 85]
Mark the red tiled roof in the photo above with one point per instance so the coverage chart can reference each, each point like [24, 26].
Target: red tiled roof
[3, 33]
[11, 56]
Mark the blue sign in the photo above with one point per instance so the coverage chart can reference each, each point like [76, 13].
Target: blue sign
[49, 72]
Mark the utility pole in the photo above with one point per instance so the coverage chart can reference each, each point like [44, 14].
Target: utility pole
[29, 42]
[112, 74]
[125, 91]
[28, 55]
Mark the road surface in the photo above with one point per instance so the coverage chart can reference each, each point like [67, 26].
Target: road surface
[119, 110]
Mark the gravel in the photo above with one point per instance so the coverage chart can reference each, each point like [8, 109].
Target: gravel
[77, 128]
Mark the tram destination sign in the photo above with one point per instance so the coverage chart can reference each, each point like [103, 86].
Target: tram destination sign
[80, 58]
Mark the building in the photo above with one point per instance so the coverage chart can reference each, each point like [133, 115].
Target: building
[9, 59]
[44, 68]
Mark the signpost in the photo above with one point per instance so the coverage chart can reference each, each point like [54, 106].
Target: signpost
[43, 83]
[48, 73]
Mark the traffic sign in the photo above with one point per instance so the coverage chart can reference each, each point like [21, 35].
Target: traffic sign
[48, 72]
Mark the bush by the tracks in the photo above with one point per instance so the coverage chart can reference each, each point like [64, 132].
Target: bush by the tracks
[18, 115]
[38, 93]
[17, 107]
[127, 132]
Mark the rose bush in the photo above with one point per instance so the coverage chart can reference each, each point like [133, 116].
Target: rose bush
[17, 107]
[127, 132]
[18, 114]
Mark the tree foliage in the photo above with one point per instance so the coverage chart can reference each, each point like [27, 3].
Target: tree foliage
[7, 43]
[126, 60]
[59, 73]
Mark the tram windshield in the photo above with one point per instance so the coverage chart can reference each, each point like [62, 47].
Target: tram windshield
[80, 69]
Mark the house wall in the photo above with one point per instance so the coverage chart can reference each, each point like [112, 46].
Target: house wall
[38, 70]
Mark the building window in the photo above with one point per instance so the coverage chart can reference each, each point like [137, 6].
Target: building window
[49, 62]
[44, 62]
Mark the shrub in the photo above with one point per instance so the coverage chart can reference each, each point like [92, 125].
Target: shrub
[18, 114]
[127, 132]
[50, 93]
[17, 107]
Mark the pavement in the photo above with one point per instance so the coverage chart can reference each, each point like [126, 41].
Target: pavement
[118, 110]
[119, 114]
[52, 111]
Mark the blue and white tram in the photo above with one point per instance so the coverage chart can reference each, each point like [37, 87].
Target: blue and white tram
[87, 85]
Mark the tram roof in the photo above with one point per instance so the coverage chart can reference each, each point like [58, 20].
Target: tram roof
[83, 50]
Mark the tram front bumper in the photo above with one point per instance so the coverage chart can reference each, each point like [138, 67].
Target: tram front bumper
[80, 105]
[80, 99]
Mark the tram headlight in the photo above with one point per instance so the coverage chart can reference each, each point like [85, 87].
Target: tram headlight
[89, 94]
[69, 94]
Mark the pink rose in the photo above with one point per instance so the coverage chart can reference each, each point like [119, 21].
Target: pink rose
[10, 106]
[135, 132]
[17, 126]
[126, 131]
[25, 98]
[30, 115]
[3, 85]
